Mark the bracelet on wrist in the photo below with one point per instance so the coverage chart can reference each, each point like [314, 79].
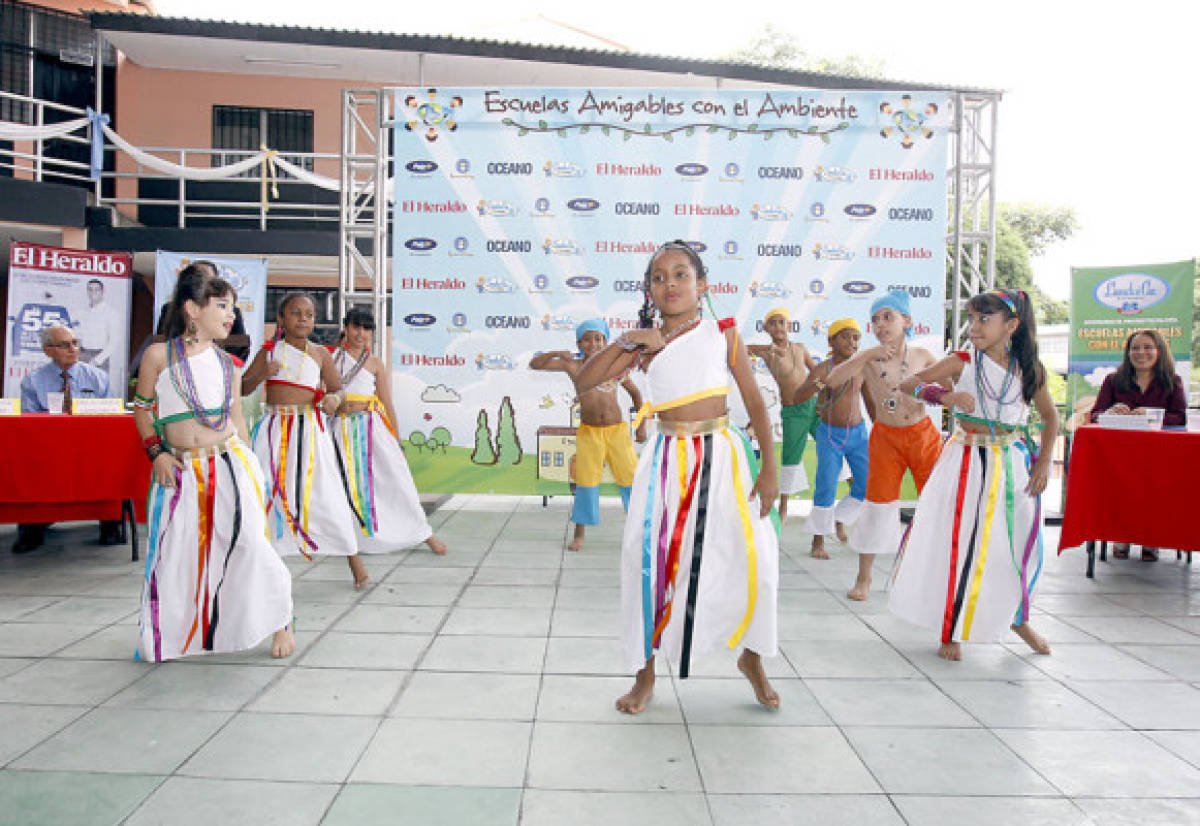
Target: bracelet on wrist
[626, 343]
[151, 441]
[154, 451]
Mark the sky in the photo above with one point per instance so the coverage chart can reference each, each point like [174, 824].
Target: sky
[1095, 113]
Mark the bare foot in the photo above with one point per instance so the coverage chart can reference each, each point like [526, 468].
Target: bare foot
[862, 587]
[577, 540]
[283, 643]
[950, 651]
[361, 577]
[643, 689]
[1032, 638]
[436, 545]
[818, 548]
[750, 664]
[841, 532]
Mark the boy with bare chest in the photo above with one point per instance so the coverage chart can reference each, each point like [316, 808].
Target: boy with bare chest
[789, 363]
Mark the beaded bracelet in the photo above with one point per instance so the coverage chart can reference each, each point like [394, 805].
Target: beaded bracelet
[626, 343]
[144, 402]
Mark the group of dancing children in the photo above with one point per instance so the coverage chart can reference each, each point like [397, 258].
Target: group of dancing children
[322, 475]
[699, 561]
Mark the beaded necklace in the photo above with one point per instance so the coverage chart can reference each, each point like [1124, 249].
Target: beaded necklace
[680, 330]
[184, 383]
[356, 368]
[985, 392]
[892, 401]
[279, 353]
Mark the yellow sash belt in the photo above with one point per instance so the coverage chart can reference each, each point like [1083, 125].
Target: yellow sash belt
[648, 409]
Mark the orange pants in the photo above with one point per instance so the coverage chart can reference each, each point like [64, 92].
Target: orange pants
[893, 450]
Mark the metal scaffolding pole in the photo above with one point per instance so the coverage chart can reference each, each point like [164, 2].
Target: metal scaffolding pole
[363, 223]
[971, 241]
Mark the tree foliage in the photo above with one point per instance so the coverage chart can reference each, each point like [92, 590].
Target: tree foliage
[780, 49]
[508, 444]
[483, 454]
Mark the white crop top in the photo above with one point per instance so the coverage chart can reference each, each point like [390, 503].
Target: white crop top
[692, 363]
[299, 368]
[362, 384]
[208, 378]
[1011, 408]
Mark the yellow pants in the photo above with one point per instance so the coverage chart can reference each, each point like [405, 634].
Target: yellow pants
[596, 445]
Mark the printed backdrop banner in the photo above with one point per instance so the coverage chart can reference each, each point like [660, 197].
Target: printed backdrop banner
[1108, 304]
[521, 212]
[247, 275]
[89, 292]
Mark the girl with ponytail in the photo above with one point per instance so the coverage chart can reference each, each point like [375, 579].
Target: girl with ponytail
[973, 552]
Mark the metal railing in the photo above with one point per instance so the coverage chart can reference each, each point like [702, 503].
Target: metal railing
[40, 164]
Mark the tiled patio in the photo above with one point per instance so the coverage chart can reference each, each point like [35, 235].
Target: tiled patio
[478, 689]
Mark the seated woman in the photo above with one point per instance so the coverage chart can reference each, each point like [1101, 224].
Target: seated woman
[1146, 378]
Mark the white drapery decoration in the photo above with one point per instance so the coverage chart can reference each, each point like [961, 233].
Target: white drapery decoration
[10, 131]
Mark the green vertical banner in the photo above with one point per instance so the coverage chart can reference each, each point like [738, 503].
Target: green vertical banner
[1108, 304]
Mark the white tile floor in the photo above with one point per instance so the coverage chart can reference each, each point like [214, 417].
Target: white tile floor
[478, 689]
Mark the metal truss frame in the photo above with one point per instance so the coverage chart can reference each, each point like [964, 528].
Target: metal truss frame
[363, 249]
[971, 235]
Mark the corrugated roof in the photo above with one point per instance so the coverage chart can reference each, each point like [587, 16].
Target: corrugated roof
[445, 44]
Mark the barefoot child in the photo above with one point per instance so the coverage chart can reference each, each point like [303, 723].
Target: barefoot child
[307, 511]
[375, 477]
[789, 363]
[603, 435]
[841, 437]
[213, 581]
[902, 438]
[974, 549]
[700, 557]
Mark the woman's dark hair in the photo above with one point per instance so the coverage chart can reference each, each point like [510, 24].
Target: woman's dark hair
[1024, 339]
[359, 317]
[646, 313]
[198, 282]
[1164, 368]
[288, 298]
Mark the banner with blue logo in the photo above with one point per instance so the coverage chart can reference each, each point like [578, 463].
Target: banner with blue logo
[521, 212]
[1108, 304]
[247, 275]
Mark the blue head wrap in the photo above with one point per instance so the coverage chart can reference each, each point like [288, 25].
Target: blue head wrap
[895, 300]
[597, 324]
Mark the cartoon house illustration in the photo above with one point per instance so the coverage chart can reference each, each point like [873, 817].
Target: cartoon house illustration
[556, 452]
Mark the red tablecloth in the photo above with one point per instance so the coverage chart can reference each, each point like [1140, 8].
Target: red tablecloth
[59, 468]
[1140, 486]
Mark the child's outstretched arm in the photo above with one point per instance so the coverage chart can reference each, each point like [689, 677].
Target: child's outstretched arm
[945, 371]
[853, 366]
[766, 486]
[813, 385]
[558, 360]
[255, 372]
[615, 360]
[1039, 473]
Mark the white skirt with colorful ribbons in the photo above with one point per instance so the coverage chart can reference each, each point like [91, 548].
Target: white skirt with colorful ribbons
[972, 555]
[307, 511]
[699, 568]
[377, 482]
[213, 582]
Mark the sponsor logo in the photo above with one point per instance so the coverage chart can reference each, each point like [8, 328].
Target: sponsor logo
[915, 290]
[461, 246]
[422, 360]
[628, 286]
[510, 169]
[563, 169]
[509, 246]
[731, 173]
[432, 284]
[729, 251]
[462, 169]
[458, 323]
[582, 283]
[722, 287]
[691, 170]
[791, 173]
[858, 287]
[769, 212]
[816, 288]
[495, 209]
[553, 246]
[433, 206]
[583, 205]
[883, 174]
[699, 246]
[541, 208]
[627, 248]
[541, 283]
[816, 212]
[615, 323]
[768, 289]
[558, 322]
[506, 322]
[793, 327]
[421, 167]
[636, 208]
[779, 250]
[909, 253]
[497, 361]
[494, 284]
[641, 170]
[834, 174]
[420, 244]
[50, 258]
[832, 252]
[420, 320]
[716, 210]
[859, 210]
[910, 214]
[1132, 293]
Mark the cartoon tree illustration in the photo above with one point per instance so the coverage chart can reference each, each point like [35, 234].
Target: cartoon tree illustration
[483, 453]
[417, 439]
[508, 444]
[439, 437]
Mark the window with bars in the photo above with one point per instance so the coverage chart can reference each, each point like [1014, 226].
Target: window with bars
[247, 128]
